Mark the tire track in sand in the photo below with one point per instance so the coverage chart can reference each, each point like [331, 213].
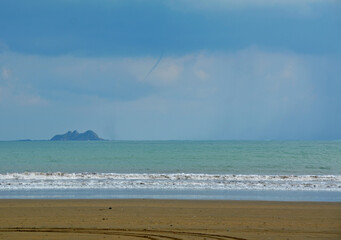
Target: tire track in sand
[136, 233]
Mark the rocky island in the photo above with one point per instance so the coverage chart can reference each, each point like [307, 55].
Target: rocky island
[76, 136]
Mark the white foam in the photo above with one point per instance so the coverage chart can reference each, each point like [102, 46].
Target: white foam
[59, 180]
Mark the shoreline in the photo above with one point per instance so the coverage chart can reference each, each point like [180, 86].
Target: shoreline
[168, 219]
[243, 195]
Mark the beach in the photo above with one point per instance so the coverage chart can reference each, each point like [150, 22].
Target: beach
[168, 219]
[174, 120]
[170, 190]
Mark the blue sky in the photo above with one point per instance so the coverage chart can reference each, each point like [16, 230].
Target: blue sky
[219, 69]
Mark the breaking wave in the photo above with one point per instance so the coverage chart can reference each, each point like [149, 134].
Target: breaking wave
[176, 181]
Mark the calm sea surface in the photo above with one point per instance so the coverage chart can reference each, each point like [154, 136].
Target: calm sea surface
[196, 167]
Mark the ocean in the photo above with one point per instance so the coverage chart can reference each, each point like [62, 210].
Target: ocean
[235, 170]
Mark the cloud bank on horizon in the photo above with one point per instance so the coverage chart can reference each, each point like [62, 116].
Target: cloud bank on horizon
[171, 69]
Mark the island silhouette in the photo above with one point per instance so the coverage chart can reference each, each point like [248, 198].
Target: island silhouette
[76, 136]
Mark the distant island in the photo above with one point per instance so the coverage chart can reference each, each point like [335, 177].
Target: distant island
[76, 136]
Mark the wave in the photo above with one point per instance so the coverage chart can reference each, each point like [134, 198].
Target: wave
[178, 181]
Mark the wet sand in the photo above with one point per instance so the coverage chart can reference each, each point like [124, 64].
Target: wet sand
[168, 219]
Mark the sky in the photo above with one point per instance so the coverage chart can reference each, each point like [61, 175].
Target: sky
[171, 70]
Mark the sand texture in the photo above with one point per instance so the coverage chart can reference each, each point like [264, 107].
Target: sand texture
[168, 219]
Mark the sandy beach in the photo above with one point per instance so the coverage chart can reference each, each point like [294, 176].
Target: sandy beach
[168, 219]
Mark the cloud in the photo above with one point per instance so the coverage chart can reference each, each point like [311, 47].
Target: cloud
[165, 73]
[65, 65]
[177, 27]
[14, 93]
[154, 66]
[5, 73]
[247, 94]
[219, 5]
[269, 88]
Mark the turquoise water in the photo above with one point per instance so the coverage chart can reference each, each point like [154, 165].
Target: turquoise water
[260, 170]
[211, 157]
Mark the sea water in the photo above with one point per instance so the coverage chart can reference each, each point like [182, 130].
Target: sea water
[258, 170]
